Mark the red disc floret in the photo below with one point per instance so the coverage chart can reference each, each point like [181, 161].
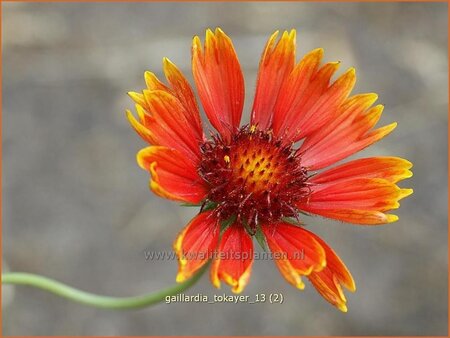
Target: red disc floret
[255, 176]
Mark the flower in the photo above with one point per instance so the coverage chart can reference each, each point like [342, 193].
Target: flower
[255, 180]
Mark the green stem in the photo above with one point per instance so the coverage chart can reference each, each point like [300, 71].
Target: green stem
[91, 299]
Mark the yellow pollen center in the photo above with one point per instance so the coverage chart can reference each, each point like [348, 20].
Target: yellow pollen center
[253, 167]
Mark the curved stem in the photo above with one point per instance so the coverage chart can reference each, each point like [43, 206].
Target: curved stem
[92, 299]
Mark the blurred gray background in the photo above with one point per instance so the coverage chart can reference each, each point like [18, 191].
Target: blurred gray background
[77, 207]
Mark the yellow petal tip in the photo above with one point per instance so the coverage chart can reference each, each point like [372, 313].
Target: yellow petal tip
[406, 192]
[274, 35]
[196, 44]
[342, 307]
[220, 31]
[237, 289]
[215, 281]
[209, 34]
[180, 277]
[318, 52]
[299, 284]
[392, 218]
[168, 66]
[408, 174]
[372, 96]
[150, 79]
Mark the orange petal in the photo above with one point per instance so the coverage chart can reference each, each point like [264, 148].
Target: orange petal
[316, 89]
[346, 134]
[276, 64]
[234, 259]
[180, 88]
[307, 101]
[359, 200]
[179, 99]
[183, 91]
[343, 119]
[329, 281]
[295, 252]
[219, 81]
[173, 176]
[169, 123]
[392, 169]
[293, 90]
[196, 243]
[321, 111]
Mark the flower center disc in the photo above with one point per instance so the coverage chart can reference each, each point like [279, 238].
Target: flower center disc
[254, 176]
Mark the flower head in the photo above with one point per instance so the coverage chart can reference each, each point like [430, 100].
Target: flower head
[256, 180]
